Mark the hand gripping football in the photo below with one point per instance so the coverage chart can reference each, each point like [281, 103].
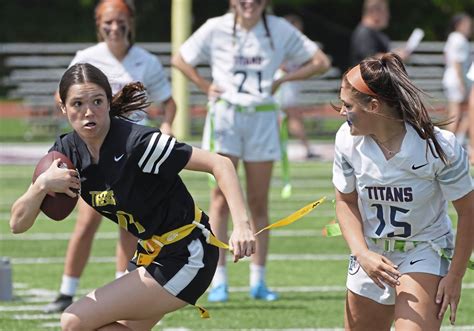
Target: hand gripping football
[56, 206]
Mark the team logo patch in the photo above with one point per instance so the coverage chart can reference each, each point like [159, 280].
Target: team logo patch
[354, 266]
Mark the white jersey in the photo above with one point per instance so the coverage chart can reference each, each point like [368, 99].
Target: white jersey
[456, 50]
[244, 65]
[405, 196]
[470, 73]
[138, 65]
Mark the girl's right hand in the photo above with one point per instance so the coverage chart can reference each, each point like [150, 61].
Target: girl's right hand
[379, 269]
[60, 180]
[242, 241]
[214, 92]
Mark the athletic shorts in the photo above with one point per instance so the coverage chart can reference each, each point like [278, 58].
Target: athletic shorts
[422, 258]
[453, 92]
[186, 268]
[252, 136]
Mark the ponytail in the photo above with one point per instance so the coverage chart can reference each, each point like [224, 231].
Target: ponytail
[388, 78]
[132, 98]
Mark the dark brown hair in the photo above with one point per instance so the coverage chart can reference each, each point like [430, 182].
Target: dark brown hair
[388, 78]
[131, 98]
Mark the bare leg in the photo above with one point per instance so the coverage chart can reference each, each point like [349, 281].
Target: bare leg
[415, 307]
[454, 113]
[219, 214]
[125, 249]
[471, 124]
[258, 183]
[296, 127]
[80, 244]
[364, 314]
[136, 300]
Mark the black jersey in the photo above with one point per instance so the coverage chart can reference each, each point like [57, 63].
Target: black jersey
[136, 182]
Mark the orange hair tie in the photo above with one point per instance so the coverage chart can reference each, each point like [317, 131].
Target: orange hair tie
[354, 77]
[119, 5]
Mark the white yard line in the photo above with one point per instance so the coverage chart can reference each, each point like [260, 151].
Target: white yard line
[111, 259]
[114, 235]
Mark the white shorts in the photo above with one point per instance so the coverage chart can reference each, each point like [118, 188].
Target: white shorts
[249, 135]
[422, 258]
[453, 92]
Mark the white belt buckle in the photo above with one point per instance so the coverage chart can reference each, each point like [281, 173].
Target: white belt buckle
[251, 109]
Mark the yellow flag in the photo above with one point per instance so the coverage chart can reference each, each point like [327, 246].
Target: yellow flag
[294, 217]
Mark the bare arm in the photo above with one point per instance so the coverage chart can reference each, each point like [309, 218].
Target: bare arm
[377, 267]
[169, 107]
[242, 239]
[449, 288]
[189, 71]
[25, 210]
[318, 65]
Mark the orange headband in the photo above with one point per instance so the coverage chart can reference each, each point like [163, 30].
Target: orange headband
[119, 5]
[354, 77]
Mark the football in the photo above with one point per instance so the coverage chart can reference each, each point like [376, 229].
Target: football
[56, 206]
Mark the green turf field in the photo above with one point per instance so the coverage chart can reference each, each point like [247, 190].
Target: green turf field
[306, 268]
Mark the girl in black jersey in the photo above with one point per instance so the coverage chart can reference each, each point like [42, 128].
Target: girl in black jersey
[129, 173]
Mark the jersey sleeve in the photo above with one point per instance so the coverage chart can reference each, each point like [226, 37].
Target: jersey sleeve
[343, 176]
[156, 81]
[454, 178]
[197, 49]
[299, 48]
[160, 154]
[454, 48]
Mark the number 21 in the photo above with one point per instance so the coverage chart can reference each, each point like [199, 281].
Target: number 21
[244, 78]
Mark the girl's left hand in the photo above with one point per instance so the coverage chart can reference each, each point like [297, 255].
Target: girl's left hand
[242, 241]
[166, 128]
[449, 293]
[276, 85]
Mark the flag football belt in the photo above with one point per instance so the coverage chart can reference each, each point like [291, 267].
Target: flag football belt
[391, 245]
[250, 109]
[154, 245]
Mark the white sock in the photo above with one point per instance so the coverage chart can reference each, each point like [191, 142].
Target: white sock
[119, 274]
[69, 285]
[220, 277]
[257, 274]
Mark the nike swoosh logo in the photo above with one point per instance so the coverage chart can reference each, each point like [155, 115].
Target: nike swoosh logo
[414, 167]
[118, 158]
[416, 261]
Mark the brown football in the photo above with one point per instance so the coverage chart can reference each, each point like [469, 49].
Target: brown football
[56, 206]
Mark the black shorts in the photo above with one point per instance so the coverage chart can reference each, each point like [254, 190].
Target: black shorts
[185, 270]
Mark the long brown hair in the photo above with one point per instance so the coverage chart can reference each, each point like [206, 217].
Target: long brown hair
[388, 78]
[131, 98]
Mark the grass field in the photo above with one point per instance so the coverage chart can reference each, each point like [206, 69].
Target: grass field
[306, 268]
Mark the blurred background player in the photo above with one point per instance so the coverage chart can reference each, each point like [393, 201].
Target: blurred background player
[245, 48]
[455, 83]
[122, 62]
[368, 38]
[289, 95]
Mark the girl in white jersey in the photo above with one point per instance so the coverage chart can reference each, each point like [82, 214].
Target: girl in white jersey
[122, 62]
[394, 173]
[244, 49]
